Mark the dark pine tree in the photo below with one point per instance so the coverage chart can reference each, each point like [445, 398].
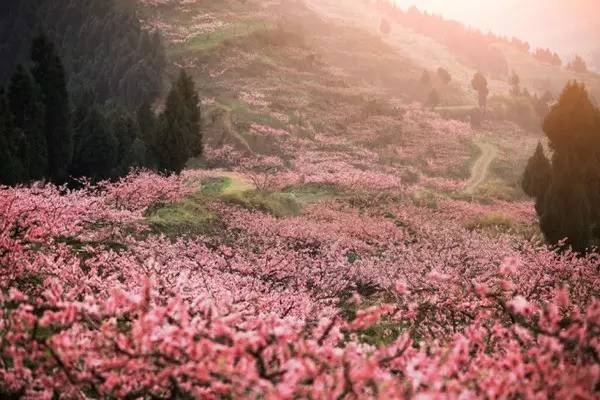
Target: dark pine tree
[126, 131]
[570, 206]
[536, 178]
[97, 151]
[10, 167]
[480, 84]
[173, 134]
[189, 97]
[148, 130]
[28, 111]
[49, 74]
[566, 210]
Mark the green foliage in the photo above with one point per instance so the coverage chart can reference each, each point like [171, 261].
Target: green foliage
[49, 74]
[101, 42]
[276, 204]
[10, 166]
[188, 217]
[572, 124]
[537, 174]
[179, 134]
[28, 112]
[567, 190]
[172, 147]
[566, 210]
[97, 149]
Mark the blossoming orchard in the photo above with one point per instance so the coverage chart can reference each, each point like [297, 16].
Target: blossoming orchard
[339, 302]
[329, 203]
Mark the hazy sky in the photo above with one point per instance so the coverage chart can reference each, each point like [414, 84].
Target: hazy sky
[566, 26]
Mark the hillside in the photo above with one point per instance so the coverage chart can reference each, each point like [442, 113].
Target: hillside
[279, 79]
[340, 237]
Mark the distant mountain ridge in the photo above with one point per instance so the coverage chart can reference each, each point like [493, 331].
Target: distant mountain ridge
[563, 26]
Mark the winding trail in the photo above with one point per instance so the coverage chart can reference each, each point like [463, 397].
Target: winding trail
[480, 169]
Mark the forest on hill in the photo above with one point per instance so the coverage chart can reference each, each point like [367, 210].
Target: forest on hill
[82, 83]
[298, 199]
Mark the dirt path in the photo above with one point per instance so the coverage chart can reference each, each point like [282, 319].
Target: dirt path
[480, 169]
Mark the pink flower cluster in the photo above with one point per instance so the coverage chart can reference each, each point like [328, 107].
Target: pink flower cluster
[341, 302]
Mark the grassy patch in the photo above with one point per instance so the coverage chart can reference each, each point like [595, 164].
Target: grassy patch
[187, 217]
[314, 192]
[208, 41]
[276, 204]
[493, 221]
[216, 186]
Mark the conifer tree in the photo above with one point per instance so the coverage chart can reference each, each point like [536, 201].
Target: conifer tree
[173, 134]
[536, 178]
[191, 122]
[479, 83]
[148, 130]
[28, 111]
[97, 152]
[568, 196]
[566, 213]
[49, 74]
[9, 163]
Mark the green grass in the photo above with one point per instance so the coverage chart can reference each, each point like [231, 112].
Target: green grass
[209, 41]
[314, 192]
[277, 204]
[493, 221]
[187, 217]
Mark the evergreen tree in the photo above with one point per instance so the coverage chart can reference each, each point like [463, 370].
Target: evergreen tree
[148, 126]
[479, 83]
[125, 130]
[137, 155]
[28, 112]
[578, 65]
[97, 153]
[49, 74]
[173, 134]
[569, 208]
[566, 213]
[536, 178]
[9, 163]
[191, 122]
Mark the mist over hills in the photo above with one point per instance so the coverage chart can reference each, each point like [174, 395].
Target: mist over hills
[567, 27]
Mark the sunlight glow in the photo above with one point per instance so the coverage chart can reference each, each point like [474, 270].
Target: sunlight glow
[565, 25]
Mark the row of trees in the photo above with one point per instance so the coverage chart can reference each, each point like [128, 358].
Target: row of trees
[101, 42]
[566, 186]
[473, 46]
[43, 137]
